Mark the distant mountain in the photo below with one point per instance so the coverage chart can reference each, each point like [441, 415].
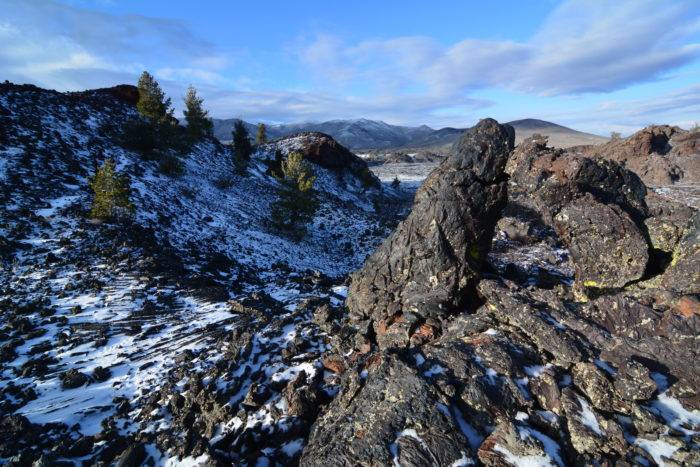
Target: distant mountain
[362, 133]
[559, 136]
[354, 134]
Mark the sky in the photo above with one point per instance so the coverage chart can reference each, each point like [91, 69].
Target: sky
[593, 65]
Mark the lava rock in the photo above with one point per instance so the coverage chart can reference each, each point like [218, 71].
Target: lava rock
[367, 422]
[133, 456]
[72, 379]
[607, 247]
[430, 264]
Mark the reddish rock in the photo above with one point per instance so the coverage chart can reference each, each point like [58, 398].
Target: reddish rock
[334, 363]
[688, 306]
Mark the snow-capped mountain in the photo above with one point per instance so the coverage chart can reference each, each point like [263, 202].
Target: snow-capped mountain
[355, 134]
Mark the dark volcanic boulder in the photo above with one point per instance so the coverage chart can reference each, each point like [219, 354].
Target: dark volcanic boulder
[392, 415]
[555, 178]
[667, 223]
[683, 274]
[597, 207]
[607, 247]
[429, 266]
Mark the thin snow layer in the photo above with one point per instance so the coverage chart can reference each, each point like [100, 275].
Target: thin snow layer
[658, 449]
[87, 301]
[408, 433]
[550, 446]
[523, 461]
[237, 221]
[588, 418]
[675, 415]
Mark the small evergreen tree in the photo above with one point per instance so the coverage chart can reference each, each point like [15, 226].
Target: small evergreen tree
[152, 102]
[395, 182]
[112, 192]
[199, 124]
[297, 203]
[261, 137]
[242, 149]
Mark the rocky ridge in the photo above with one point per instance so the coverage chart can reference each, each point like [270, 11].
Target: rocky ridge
[525, 373]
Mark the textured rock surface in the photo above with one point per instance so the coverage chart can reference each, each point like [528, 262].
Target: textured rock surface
[427, 268]
[683, 274]
[391, 414]
[607, 247]
[599, 211]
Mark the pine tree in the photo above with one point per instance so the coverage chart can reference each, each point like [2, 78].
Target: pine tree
[242, 148]
[112, 192]
[297, 203]
[261, 137]
[152, 102]
[199, 124]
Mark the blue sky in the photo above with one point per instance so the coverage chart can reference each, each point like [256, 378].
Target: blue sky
[598, 66]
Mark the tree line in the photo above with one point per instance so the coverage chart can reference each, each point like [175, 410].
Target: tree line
[157, 135]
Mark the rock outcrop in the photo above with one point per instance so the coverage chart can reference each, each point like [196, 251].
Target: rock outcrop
[323, 150]
[397, 416]
[659, 154]
[428, 267]
[527, 375]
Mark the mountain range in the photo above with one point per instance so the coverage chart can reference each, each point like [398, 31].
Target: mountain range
[362, 134]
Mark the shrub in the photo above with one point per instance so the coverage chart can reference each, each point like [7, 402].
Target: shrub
[261, 137]
[297, 202]
[140, 136]
[366, 177]
[170, 165]
[112, 193]
[223, 182]
[395, 182]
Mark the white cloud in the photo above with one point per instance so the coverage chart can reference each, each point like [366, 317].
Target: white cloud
[54, 45]
[583, 46]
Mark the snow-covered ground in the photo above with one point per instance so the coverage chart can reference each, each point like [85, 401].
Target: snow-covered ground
[103, 326]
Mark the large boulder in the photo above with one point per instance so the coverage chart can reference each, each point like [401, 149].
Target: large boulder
[428, 267]
[607, 247]
[683, 273]
[555, 178]
[597, 208]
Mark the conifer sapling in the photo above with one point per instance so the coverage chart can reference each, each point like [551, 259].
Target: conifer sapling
[242, 149]
[261, 137]
[112, 192]
[297, 203]
[199, 124]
